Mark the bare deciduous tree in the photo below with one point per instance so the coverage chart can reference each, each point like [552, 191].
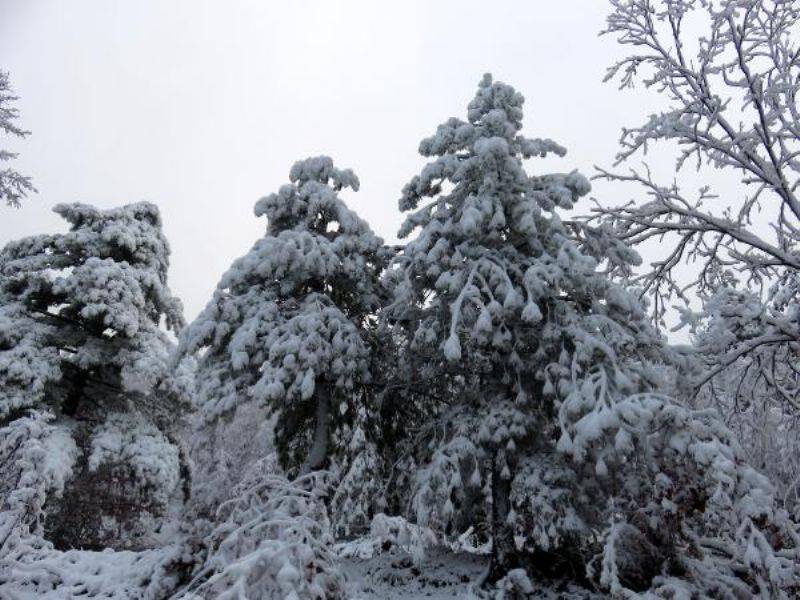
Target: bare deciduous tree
[730, 70]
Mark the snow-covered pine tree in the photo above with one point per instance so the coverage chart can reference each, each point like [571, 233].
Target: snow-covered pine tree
[534, 379]
[13, 185]
[80, 335]
[288, 325]
[497, 295]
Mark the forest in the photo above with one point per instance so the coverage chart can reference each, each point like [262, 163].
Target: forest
[494, 408]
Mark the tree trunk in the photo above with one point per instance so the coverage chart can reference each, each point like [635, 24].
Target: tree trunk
[318, 453]
[504, 555]
[70, 405]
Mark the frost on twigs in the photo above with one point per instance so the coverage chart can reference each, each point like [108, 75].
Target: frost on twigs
[727, 73]
[226, 452]
[271, 540]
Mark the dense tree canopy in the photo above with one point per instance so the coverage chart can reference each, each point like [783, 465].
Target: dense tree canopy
[494, 392]
[287, 325]
[81, 338]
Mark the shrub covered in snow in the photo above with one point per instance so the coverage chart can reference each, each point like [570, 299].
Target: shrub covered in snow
[36, 459]
[271, 540]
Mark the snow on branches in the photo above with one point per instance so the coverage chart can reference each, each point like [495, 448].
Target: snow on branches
[730, 91]
[81, 317]
[287, 325]
[13, 186]
[36, 459]
[494, 281]
[543, 420]
[486, 388]
[272, 540]
[85, 307]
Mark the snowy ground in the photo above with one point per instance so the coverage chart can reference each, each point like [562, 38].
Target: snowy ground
[393, 575]
[120, 575]
[441, 574]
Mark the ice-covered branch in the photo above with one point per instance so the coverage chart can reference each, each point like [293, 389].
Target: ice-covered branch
[730, 90]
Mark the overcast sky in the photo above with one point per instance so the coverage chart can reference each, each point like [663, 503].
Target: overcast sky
[202, 107]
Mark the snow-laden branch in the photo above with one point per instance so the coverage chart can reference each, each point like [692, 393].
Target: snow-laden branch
[730, 94]
[13, 185]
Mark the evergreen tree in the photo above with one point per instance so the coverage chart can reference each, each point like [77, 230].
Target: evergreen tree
[81, 337]
[495, 284]
[287, 326]
[13, 185]
[535, 377]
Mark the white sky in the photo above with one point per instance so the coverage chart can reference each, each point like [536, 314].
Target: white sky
[202, 107]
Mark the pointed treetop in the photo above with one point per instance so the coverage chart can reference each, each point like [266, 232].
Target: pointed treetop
[310, 201]
[483, 161]
[494, 112]
[496, 103]
[321, 170]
